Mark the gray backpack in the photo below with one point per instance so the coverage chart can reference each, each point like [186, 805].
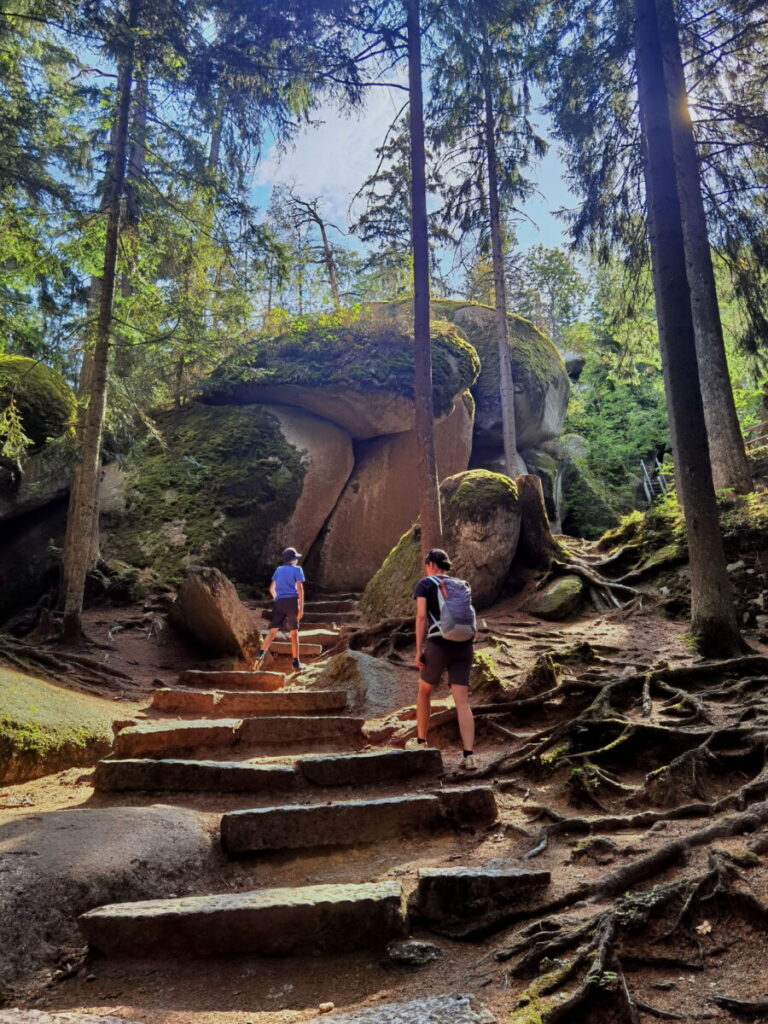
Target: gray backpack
[457, 616]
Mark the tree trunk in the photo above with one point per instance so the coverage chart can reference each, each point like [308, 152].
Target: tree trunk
[713, 619]
[506, 380]
[84, 495]
[429, 495]
[730, 467]
[330, 264]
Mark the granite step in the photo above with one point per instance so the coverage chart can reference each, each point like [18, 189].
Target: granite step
[344, 823]
[168, 775]
[305, 650]
[292, 729]
[328, 617]
[167, 738]
[263, 682]
[365, 769]
[323, 604]
[271, 922]
[227, 704]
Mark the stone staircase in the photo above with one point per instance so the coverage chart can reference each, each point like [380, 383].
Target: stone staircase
[330, 610]
[266, 736]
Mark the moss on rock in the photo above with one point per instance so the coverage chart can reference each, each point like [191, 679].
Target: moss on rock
[209, 491]
[475, 496]
[390, 592]
[366, 348]
[45, 728]
[559, 600]
[46, 402]
[586, 512]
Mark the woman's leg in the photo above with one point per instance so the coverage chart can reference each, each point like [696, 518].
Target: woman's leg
[423, 709]
[460, 696]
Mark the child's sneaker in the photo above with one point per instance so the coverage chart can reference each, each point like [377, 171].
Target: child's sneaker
[297, 666]
[258, 658]
[468, 763]
[415, 744]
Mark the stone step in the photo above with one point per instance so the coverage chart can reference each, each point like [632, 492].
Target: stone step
[451, 1008]
[264, 682]
[328, 617]
[324, 637]
[305, 920]
[331, 605]
[170, 737]
[164, 738]
[177, 776]
[448, 898]
[344, 823]
[364, 769]
[305, 650]
[226, 703]
[292, 729]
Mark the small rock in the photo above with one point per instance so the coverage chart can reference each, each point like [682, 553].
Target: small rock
[663, 986]
[413, 952]
[90, 977]
[734, 566]
[326, 1007]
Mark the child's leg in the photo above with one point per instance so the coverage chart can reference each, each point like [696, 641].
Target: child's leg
[265, 645]
[295, 644]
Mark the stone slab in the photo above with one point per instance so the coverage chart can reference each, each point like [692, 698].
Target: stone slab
[447, 1009]
[305, 650]
[324, 637]
[243, 702]
[164, 738]
[16, 1016]
[261, 681]
[293, 729]
[177, 776]
[307, 919]
[469, 806]
[364, 769]
[447, 894]
[338, 824]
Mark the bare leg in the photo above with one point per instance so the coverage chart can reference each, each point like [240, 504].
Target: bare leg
[460, 696]
[423, 709]
[267, 643]
[295, 644]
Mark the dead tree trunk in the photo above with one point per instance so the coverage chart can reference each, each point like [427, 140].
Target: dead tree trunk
[713, 618]
[84, 496]
[730, 467]
[429, 496]
[506, 380]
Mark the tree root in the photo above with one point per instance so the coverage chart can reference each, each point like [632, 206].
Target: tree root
[739, 1007]
[63, 666]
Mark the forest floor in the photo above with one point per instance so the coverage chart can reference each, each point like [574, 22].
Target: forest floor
[638, 780]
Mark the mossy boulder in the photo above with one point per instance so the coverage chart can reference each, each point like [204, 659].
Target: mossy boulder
[45, 401]
[353, 367]
[481, 525]
[45, 728]
[540, 378]
[557, 601]
[228, 487]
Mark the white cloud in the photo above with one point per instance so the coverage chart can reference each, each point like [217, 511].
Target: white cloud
[332, 159]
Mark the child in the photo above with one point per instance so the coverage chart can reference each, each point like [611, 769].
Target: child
[435, 654]
[287, 590]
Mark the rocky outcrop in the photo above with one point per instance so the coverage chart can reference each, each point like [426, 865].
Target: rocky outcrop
[381, 500]
[481, 525]
[353, 367]
[226, 486]
[45, 476]
[369, 681]
[42, 396]
[540, 378]
[209, 610]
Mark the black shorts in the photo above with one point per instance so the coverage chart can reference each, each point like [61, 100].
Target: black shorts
[285, 612]
[452, 655]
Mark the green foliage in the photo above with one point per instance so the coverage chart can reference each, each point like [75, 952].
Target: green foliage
[36, 403]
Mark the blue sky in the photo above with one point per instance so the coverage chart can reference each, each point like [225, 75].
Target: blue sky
[332, 159]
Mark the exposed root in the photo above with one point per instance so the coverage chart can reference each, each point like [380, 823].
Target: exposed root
[63, 666]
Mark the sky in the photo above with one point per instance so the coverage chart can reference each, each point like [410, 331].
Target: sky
[332, 158]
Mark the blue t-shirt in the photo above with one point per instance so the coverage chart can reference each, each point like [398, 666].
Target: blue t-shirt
[286, 577]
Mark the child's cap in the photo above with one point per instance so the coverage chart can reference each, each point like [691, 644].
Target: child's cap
[291, 555]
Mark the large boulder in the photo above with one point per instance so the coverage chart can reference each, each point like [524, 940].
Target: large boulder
[30, 557]
[68, 862]
[372, 684]
[353, 367]
[381, 499]
[481, 526]
[44, 399]
[558, 600]
[45, 476]
[228, 486]
[539, 374]
[209, 609]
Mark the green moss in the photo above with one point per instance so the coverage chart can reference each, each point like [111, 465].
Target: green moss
[390, 592]
[556, 601]
[588, 514]
[44, 728]
[221, 477]
[369, 348]
[46, 403]
[476, 494]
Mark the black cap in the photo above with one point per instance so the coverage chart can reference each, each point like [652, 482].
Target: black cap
[291, 555]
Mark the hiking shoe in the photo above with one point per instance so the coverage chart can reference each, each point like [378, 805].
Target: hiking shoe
[413, 744]
[297, 666]
[258, 658]
[468, 763]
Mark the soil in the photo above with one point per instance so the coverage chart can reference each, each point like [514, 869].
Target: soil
[718, 941]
